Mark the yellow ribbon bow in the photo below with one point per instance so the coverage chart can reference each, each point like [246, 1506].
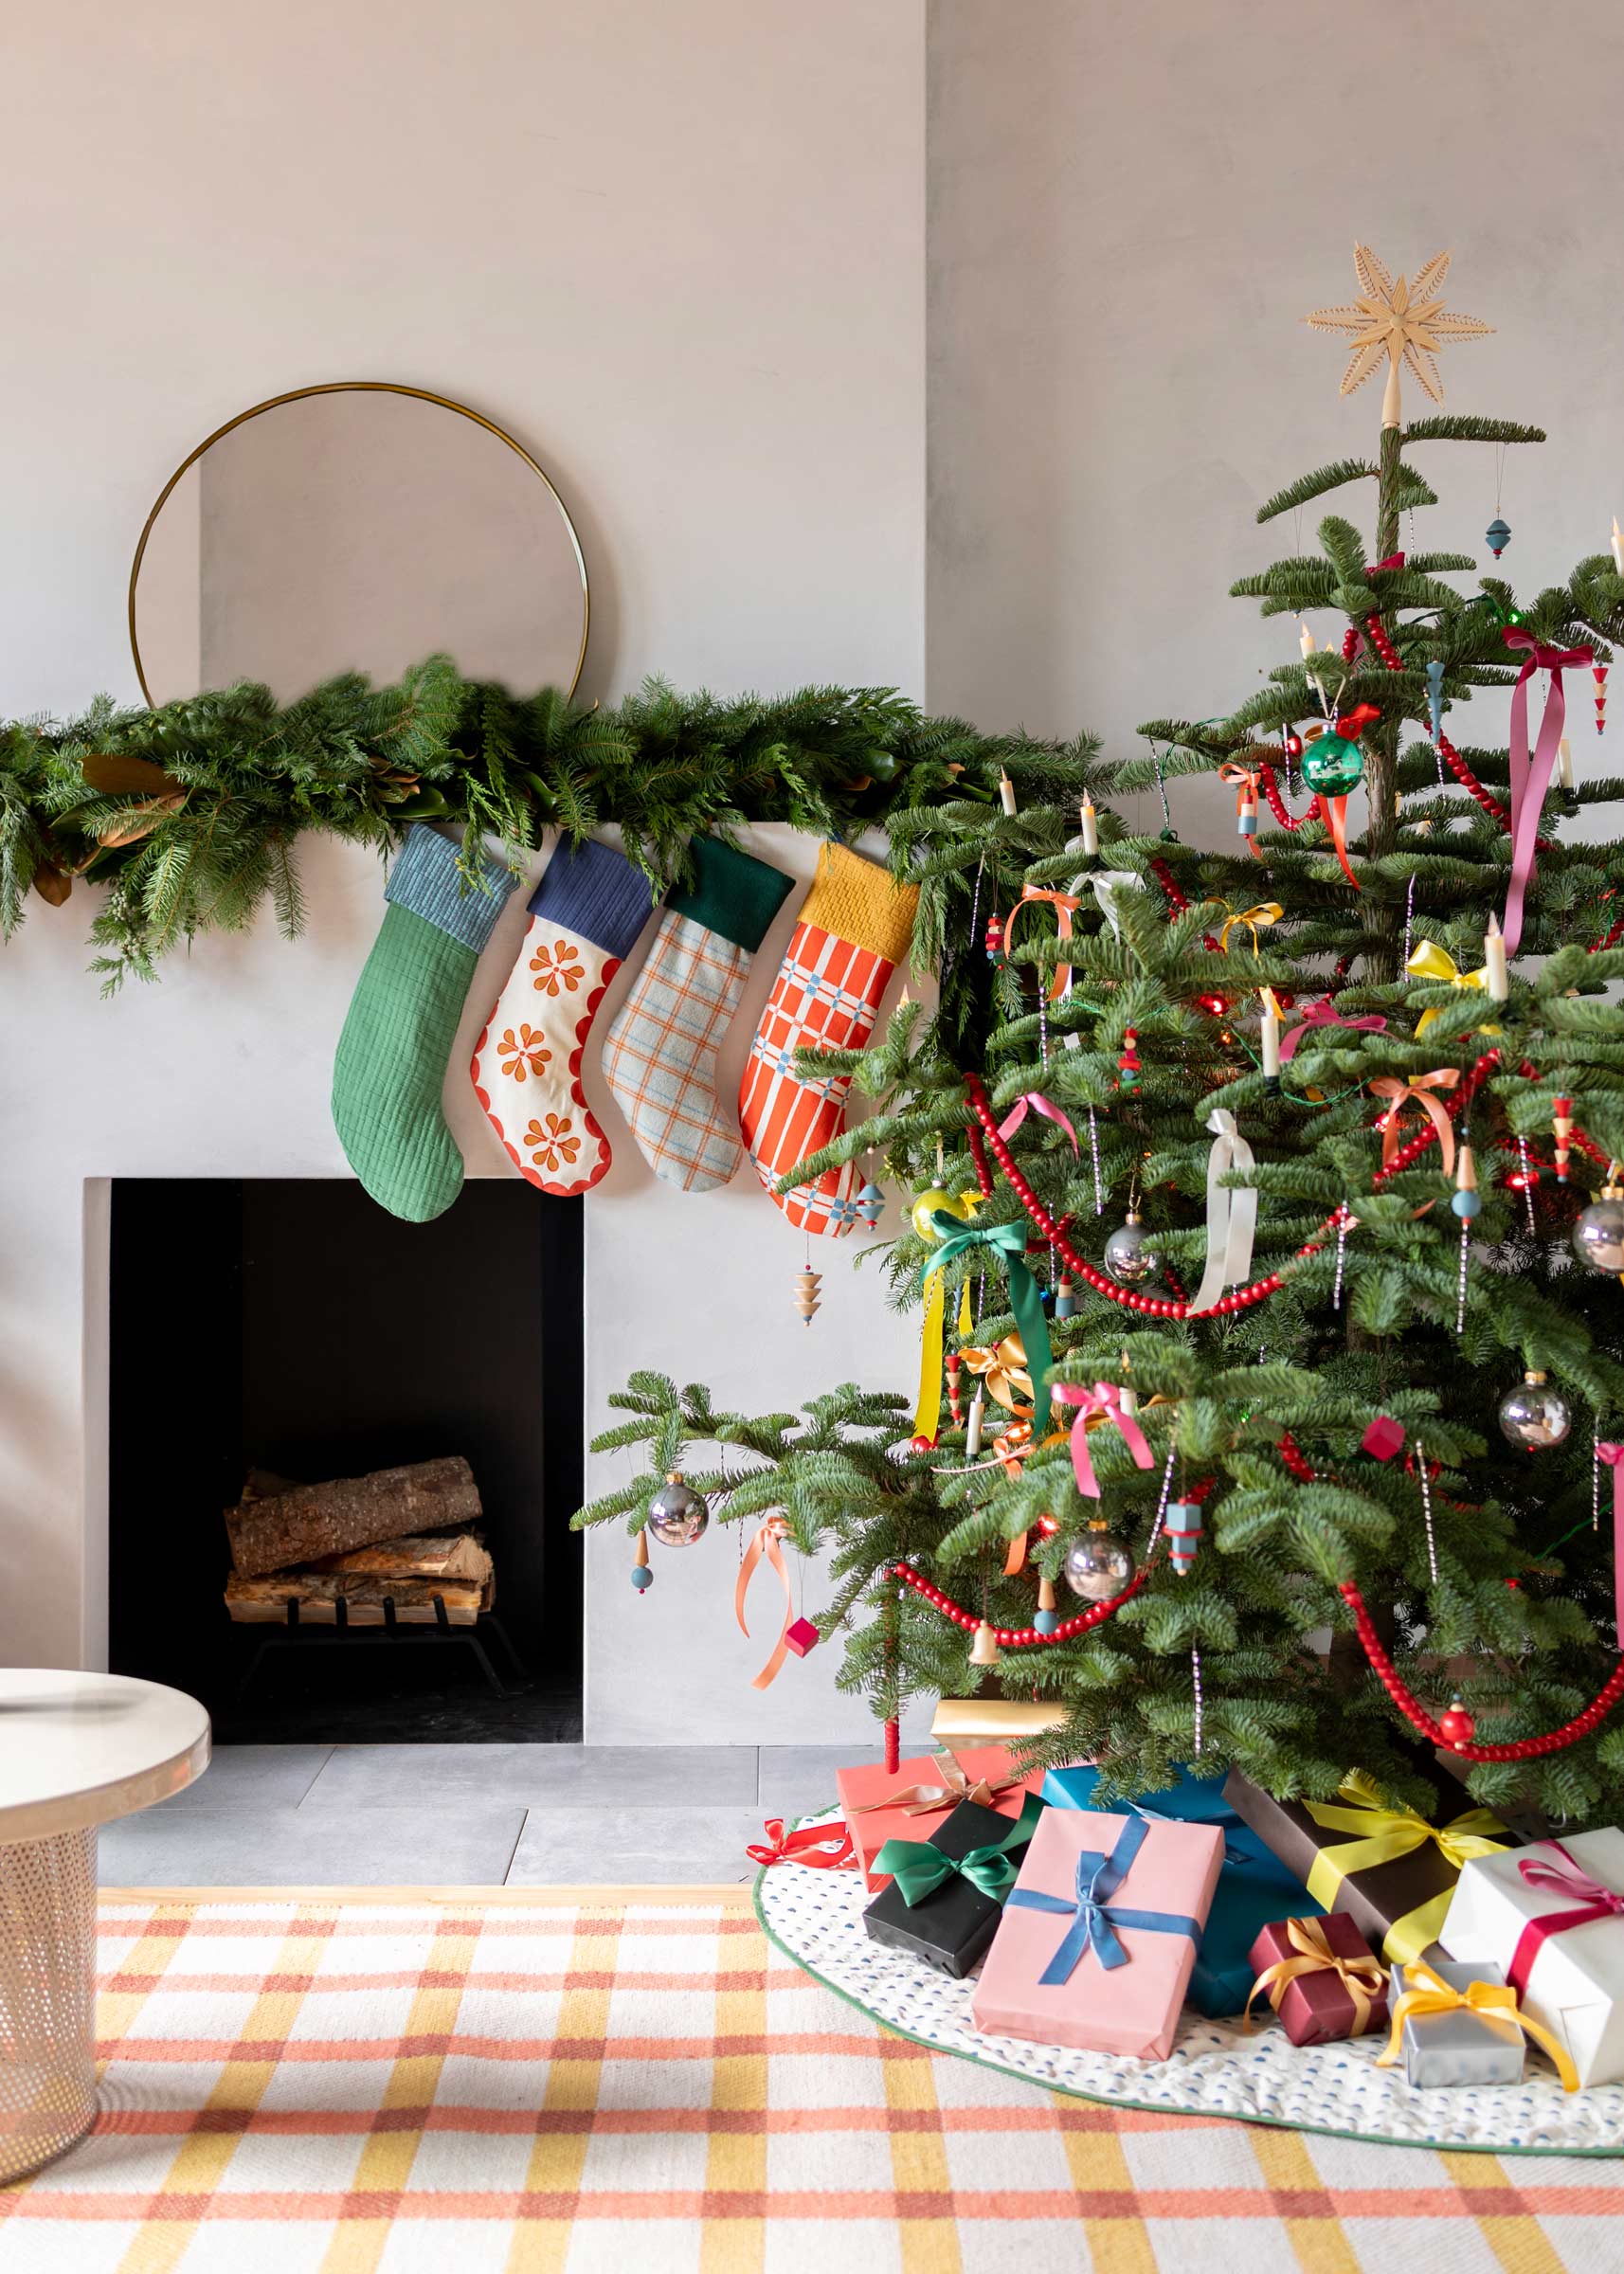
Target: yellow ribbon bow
[1265, 912]
[1002, 1370]
[1496, 2000]
[1363, 1978]
[1383, 1837]
[1429, 961]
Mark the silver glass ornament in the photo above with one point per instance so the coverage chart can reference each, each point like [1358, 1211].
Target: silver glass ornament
[1099, 1564]
[1533, 1415]
[1598, 1235]
[678, 1515]
[1128, 1255]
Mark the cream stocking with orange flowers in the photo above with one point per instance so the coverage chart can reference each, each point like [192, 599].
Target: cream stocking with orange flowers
[584, 917]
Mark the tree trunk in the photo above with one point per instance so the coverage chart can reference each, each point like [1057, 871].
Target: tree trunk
[314, 1521]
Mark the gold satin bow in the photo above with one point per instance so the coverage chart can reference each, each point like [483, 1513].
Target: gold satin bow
[1418, 1087]
[1003, 1371]
[1363, 1978]
[1433, 1994]
[930, 1799]
[1265, 912]
[1429, 961]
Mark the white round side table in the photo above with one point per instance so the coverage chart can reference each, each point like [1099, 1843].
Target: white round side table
[76, 1751]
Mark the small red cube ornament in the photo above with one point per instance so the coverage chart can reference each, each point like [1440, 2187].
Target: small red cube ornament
[800, 1638]
[1384, 1438]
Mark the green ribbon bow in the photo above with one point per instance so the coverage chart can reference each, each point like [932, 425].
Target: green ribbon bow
[919, 1868]
[1009, 1242]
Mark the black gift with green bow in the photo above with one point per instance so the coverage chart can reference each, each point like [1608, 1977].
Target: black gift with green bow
[946, 1893]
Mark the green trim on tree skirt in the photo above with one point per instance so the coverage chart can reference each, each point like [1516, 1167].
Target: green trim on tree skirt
[190, 816]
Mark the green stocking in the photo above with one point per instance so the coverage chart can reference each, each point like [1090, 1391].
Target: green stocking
[389, 1070]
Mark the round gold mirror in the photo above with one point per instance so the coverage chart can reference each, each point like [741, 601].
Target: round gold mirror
[356, 527]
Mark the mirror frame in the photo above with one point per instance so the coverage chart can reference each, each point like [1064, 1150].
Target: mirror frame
[357, 386]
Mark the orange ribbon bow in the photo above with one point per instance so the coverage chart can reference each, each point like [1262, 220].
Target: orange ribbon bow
[1243, 781]
[930, 1799]
[766, 1544]
[1420, 1087]
[1065, 905]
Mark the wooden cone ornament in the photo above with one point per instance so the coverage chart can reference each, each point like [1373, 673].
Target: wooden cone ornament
[985, 1650]
[642, 1578]
[1562, 1130]
[1599, 673]
[1048, 1616]
[807, 1286]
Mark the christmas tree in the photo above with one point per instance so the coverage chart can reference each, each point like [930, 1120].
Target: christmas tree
[1381, 1026]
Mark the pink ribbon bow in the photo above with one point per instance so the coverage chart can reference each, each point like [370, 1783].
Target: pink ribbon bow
[1592, 1901]
[1039, 1104]
[1105, 1398]
[1326, 1013]
[1531, 777]
[1612, 1455]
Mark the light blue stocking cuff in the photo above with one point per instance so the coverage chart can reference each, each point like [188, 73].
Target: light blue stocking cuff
[426, 879]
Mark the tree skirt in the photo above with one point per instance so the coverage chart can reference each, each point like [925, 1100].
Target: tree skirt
[1216, 2069]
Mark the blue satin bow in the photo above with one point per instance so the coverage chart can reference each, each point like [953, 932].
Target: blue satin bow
[1233, 1852]
[1094, 1918]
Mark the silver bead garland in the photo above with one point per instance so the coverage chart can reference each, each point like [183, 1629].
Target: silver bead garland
[1199, 1702]
[1527, 1187]
[1094, 1150]
[1426, 1482]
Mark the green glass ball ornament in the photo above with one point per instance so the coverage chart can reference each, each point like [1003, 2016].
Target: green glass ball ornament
[1332, 765]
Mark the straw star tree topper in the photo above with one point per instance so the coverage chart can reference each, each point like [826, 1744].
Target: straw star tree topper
[1405, 321]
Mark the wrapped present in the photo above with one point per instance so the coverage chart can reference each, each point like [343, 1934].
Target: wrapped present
[1100, 1933]
[1321, 1976]
[1253, 1885]
[1460, 2024]
[1551, 1916]
[1390, 1869]
[946, 1894]
[907, 1802]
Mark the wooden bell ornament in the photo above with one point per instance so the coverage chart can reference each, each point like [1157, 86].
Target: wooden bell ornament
[985, 1650]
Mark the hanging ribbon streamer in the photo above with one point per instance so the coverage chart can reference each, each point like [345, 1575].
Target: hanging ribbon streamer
[1418, 1088]
[1107, 884]
[1591, 1902]
[1335, 812]
[1429, 961]
[1325, 1014]
[1425, 1992]
[1265, 912]
[1009, 1242]
[1611, 1457]
[1531, 776]
[821, 1847]
[932, 1350]
[768, 1545]
[1039, 1104]
[1065, 905]
[1231, 1214]
[1105, 1399]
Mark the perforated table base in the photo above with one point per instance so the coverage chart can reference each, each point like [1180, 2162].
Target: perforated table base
[47, 1992]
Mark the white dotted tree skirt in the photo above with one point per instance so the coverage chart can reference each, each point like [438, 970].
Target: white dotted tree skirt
[1215, 2068]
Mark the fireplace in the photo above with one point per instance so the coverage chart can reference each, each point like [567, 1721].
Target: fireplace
[266, 1333]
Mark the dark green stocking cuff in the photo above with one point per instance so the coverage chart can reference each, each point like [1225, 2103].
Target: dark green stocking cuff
[732, 894]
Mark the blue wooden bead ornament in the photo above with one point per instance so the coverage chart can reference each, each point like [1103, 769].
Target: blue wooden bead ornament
[1497, 536]
[1435, 695]
[1044, 1622]
[1184, 1533]
[871, 1203]
[1466, 1206]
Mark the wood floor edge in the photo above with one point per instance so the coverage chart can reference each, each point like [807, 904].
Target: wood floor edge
[727, 1892]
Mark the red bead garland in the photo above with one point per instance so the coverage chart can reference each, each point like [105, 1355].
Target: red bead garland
[1523, 1748]
[1277, 806]
[1019, 1639]
[1613, 938]
[1164, 876]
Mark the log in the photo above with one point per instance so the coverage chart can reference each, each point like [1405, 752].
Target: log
[457, 1556]
[314, 1521]
[264, 1601]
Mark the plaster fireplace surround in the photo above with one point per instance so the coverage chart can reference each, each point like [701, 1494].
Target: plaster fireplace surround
[222, 1069]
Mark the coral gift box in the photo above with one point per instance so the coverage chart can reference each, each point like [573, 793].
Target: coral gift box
[1551, 1916]
[1099, 1934]
[915, 1799]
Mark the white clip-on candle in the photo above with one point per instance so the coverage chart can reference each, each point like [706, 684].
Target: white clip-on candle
[1495, 973]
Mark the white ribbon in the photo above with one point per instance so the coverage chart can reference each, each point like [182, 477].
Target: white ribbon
[1231, 1214]
[1105, 886]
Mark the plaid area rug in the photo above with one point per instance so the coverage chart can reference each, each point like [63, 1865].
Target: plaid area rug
[635, 2082]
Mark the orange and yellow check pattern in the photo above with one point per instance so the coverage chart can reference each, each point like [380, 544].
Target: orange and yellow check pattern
[564, 2084]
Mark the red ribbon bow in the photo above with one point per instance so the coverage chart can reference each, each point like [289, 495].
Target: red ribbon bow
[1531, 776]
[1612, 1457]
[821, 1847]
[1593, 1902]
[1361, 717]
[1394, 560]
[1326, 1013]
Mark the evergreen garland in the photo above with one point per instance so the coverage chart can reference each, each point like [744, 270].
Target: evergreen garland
[190, 816]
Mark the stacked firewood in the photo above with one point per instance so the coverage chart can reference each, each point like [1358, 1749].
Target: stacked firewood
[407, 1535]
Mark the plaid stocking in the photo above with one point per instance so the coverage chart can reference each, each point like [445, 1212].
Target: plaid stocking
[584, 916]
[854, 928]
[661, 1057]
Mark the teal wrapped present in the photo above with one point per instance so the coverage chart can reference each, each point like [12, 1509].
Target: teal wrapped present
[1254, 1890]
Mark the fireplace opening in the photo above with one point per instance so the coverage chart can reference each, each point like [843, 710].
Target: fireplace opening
[392, 1412]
